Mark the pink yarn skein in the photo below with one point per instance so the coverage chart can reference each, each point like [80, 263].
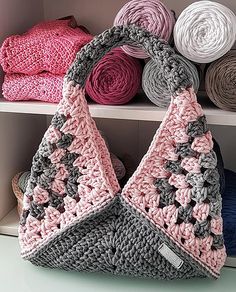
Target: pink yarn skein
[42, 87]
[152, 15]
[49, 46]
[115, 79]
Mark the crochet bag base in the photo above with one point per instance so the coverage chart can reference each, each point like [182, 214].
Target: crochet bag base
[135, 248]
[165, 223]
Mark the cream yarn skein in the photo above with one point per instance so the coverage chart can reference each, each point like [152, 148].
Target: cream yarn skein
[205, 31]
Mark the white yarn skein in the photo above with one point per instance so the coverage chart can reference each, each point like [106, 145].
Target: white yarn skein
[205, 31]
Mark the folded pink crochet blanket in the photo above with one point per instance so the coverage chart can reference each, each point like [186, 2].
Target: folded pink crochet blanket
[43, 87]
[49, 46]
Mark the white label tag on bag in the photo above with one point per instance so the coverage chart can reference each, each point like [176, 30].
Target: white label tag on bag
[170, 256]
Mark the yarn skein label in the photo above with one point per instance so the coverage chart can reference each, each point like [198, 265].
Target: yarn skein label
[170, 256]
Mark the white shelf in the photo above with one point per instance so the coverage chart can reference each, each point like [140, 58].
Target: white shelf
[9, 224]
[142, 111]
[27, 107]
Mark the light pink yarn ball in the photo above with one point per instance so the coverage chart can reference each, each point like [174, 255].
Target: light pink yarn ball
[152, 15]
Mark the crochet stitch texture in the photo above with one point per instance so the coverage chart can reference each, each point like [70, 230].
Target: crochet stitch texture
[49, 46]
[154, 82]
[116, 78]
[43, 86]
[75, 215]
[151, 15]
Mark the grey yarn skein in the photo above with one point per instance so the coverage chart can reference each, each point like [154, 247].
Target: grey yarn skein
[154, 82]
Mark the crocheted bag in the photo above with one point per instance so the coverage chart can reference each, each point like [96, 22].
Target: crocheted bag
[166, 222]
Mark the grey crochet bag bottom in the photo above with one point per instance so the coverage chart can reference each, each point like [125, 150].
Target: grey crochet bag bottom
[118, 240]
[165, 223]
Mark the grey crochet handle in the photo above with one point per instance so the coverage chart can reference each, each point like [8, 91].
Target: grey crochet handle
[175, 75]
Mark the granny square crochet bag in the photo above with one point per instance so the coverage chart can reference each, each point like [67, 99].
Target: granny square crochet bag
[166, 222]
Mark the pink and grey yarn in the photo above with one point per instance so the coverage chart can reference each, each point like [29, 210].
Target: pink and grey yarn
[76, 216]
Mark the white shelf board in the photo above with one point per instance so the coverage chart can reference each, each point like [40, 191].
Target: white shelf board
[142, 111]
[27, 107]
[9, 224]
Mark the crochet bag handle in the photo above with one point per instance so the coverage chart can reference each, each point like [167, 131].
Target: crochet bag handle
[159, 50]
